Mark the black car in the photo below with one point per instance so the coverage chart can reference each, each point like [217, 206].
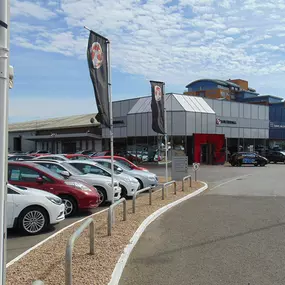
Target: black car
[240, 158]
[276, 156]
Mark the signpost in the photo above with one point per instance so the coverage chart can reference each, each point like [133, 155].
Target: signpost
[196, 167]
[179, 167]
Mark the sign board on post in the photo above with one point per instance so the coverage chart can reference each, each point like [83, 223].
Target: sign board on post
[179, 167]
[196, 167]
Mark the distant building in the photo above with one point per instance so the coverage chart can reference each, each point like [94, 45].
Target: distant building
[239, 91]
[57, 135]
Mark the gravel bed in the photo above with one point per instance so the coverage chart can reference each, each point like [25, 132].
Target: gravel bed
[46, 263]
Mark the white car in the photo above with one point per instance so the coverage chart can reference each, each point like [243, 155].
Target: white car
[145, 179]
[32, 210]
[128, 183]
[103, 184]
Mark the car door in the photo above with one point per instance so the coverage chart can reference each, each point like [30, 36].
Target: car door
[10, 207]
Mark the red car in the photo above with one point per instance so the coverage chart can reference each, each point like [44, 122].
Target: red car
[39, 153]
[123, 161]
[76, 195]
[76, 156]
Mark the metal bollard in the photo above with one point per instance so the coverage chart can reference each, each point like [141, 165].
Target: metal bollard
[166, 185]
[139, 192]
[184, 179]
[70, 244]
[110, 213]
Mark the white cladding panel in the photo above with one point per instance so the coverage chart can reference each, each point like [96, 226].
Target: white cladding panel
[226, 109]
[234, 132]
[144, 124]
[246, 133]
[254, 111]
[211, 123]
[204, 123]
[138, 124]
[246, 112]
[178, 123]
[234, 109]
[190, 123]
[198, 123]
[131, 128]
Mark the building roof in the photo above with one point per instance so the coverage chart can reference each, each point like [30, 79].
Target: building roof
[174, 102]
[217, 81]
[265, 96]
[55, 123]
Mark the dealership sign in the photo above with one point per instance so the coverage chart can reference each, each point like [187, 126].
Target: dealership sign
[226, 122]
[279, 125]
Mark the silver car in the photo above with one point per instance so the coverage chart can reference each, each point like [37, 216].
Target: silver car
[128, 183]
[145, 179]
[100, 182]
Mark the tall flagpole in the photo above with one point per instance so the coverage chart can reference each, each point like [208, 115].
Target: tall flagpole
[165, 138]
[111, 117]
[4, 86]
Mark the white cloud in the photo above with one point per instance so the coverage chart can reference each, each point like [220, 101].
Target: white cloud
[174, 42]
[232, 31]
[30, 9]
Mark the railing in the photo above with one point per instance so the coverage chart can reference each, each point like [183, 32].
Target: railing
[139, 192]
[165, 185]
[69, 247]
[188, 177]
[110, 213]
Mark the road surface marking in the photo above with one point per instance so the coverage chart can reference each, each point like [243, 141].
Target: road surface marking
[228, 181]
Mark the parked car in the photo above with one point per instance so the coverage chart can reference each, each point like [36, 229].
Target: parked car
[86, 152]
[32, 210]
[276, 156]
[19, 157]
[145, 179]
[40, 153]
[75, 194]
[128, 184]
[100, 182]
[100, 153]
[240, 158]
[76, 156]
[122, 160]
[56, 157]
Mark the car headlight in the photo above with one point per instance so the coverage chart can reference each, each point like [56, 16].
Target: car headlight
[78, 186]
[55, 200]
[153, 178]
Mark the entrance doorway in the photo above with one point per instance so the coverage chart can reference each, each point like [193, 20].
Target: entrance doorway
[207, 153]
[69, 147]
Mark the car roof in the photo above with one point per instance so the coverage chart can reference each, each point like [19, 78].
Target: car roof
[47, 160]
[82, 161]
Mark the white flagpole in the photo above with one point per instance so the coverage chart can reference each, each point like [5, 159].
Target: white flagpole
[165, 138]
[4, 86]
[111, 118]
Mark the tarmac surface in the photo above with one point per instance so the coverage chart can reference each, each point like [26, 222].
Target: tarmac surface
[233, 233]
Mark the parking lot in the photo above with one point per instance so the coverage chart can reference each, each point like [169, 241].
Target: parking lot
[213, 175]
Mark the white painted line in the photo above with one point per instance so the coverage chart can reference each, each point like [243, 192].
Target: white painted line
[117, 273]
[231, 180]
[50, 237]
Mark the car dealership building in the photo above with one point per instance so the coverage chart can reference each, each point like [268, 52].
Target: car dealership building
[211, 119]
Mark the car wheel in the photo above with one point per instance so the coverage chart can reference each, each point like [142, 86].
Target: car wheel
[102, 195]
[70, 205]
[33, 220]
[141, 184]
[275, 162]
[124, 192]
[262, 164]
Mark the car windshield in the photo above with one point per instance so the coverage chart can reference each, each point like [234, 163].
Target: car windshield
[123, 166]
[49, 172]
[71, 169]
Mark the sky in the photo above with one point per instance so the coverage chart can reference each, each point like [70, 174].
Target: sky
[175, 41]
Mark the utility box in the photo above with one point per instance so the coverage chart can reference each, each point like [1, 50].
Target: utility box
[179, 167]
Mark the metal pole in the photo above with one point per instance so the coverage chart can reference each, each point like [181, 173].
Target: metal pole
[195, 175]
[165, 140]
[111, 119]
[4, 86]
[92, 238]
[226, 149]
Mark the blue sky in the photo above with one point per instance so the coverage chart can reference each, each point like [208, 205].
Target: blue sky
[174, 41]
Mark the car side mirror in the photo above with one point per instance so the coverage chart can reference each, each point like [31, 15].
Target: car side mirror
[40, 180]
[65, 173]
[120, 170]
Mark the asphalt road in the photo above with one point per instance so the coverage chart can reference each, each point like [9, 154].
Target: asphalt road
[234, 233]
